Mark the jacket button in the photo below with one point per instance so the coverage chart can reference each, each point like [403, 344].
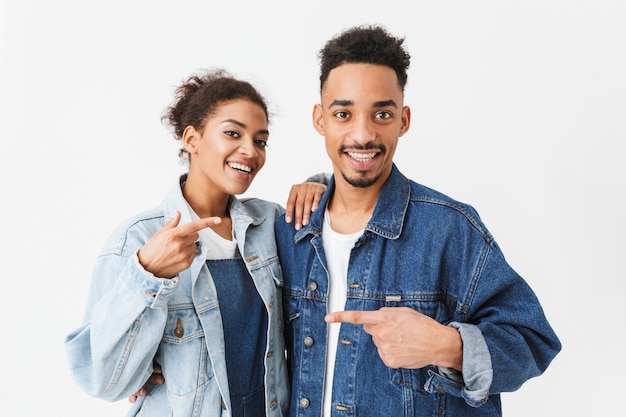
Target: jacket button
[312, 286]
[271, 304]
[308, 341]
[179, 331]
[305, 403]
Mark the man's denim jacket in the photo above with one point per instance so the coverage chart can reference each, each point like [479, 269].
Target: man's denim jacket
[133, 318]
[428, 252]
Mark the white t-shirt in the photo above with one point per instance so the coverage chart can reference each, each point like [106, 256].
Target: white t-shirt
[217, 246]
[337, 247]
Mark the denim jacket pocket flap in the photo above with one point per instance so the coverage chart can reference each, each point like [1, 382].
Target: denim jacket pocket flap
[182, 326]
[414, 379]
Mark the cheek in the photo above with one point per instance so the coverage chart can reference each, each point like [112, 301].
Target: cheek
[392, 147]
[261, 160]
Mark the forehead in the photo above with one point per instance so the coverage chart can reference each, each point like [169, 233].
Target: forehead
[362, 83]
[239, 109]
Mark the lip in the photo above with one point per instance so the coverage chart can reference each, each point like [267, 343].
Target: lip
[239, 172]
[369, 160]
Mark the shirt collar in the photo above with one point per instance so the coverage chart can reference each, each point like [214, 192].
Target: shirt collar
[175, 200]
[389, 213]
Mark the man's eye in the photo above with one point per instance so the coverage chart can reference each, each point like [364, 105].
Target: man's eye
[384, 115]
[342, 114]
[260, 142]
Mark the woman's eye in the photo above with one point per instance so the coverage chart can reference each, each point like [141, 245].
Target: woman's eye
[260, 142]
[231, 133]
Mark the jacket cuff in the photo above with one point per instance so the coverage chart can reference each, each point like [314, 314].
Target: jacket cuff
[474, 382]
[155, 292]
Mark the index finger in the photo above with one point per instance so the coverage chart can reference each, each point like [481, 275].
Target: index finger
[354, 317]
[194, 226]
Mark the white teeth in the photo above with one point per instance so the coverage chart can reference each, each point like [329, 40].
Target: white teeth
[362, 156]
[240, 167]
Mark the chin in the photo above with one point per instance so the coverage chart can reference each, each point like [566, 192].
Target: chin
[361, 182]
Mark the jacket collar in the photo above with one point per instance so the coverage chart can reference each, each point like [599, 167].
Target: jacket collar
[389, 213]
[240, 217]
[176, 201]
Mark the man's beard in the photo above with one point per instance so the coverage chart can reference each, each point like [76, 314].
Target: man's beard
[360, 182]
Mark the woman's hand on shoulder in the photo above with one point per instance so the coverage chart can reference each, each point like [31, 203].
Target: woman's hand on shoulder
[303, 199]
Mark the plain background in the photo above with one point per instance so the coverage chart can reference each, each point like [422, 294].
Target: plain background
[518, 108]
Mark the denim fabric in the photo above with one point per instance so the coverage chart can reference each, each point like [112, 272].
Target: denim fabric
[422, 250]
[133, 318]
[244, 321]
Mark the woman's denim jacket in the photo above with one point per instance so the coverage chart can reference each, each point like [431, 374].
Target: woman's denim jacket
[133, 318]
[428, 252]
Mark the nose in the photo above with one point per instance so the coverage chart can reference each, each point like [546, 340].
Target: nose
[362, 131]
[247, 148]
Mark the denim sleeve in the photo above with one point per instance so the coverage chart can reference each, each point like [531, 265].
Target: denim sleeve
[474, 382]
[321, 178]
[506, 336]
[520, 341]
[110, 355]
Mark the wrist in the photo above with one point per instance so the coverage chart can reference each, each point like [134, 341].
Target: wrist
[452, 352]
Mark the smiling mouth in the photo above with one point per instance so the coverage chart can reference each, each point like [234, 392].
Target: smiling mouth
[239, 167]
[362, 157]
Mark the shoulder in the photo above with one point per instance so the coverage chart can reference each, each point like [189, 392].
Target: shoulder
[447, 209]
[257, 207]
[133, 232]
[423, 194]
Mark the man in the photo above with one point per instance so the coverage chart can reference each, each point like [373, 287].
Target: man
[398, 301]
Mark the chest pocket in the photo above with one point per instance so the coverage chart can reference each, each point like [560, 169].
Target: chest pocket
[183, 324]
[183, 353]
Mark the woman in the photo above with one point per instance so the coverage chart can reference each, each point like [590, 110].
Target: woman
[190, 288]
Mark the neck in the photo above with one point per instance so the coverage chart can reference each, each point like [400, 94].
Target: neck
[205, 200]
[350, 207]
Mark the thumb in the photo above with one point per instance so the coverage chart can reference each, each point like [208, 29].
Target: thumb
[173, 222]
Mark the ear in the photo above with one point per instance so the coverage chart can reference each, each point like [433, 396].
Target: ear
[406, 120]
[190, 139]
[318, 119]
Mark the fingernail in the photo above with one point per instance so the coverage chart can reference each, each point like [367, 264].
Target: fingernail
[288, 219]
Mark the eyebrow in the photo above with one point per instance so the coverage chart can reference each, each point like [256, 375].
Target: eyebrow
[386, 103]
[243, 126]
[377, 104]
[233, 121]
